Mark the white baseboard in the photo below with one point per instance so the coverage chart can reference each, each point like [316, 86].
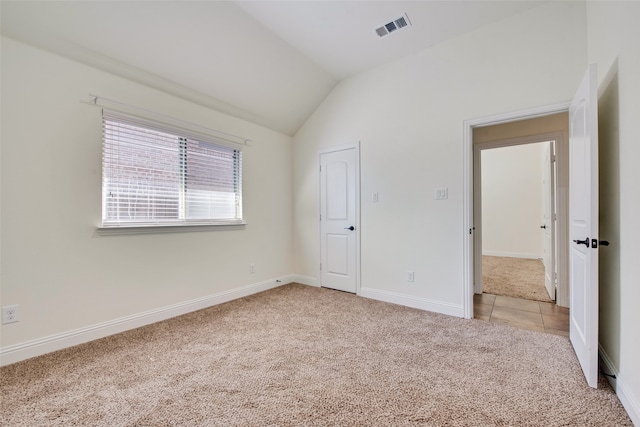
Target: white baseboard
[26, 350]
[629, 401]
[512, 254]
[414, 302]
[305, 280]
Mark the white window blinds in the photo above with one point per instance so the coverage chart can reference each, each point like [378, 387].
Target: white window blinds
[153, 174]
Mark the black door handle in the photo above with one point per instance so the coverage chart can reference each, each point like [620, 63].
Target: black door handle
[583, 242]
[350, 228]
[604, 243]
[543, 226]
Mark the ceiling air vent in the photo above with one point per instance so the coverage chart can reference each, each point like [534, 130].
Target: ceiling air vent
[394, 25]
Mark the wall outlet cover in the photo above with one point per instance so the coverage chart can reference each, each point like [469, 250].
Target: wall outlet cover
[10, 314]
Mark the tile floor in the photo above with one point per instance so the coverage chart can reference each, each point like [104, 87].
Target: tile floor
[522, 313]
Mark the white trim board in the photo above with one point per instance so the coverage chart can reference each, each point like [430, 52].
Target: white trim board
[512, 254]
[628, 400]
[305, 280]
[413, 302]
[26, 350]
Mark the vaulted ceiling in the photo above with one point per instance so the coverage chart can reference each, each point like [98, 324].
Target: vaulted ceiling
[269, 62]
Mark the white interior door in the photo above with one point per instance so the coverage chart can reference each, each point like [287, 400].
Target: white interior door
[583, 225]
[339, 226]
[549, 223]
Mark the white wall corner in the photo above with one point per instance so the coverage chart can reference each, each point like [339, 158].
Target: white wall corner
[26, 350]
[305, 280]
[413, 302]
[630, 402]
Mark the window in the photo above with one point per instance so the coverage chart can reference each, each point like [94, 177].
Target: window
[155, 175]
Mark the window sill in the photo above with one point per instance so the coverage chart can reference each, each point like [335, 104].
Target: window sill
[168, 228]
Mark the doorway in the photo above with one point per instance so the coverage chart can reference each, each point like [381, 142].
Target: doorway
[519, 219]
[522, 133]
[515, 261]
[548, 123]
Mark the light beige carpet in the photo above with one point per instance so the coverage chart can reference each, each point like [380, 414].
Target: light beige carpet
[298, 355]
[514, 277]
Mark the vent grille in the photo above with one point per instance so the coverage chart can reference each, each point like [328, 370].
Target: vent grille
[392, 26]
[401, 22]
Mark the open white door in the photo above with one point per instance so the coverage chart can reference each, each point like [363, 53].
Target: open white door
[583, 225]
[339, 219]
[549, 225]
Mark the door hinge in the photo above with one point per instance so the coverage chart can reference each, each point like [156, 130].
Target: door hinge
[553, 158]
[320, 266]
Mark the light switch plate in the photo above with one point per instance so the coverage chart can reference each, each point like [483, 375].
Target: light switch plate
[442, 193]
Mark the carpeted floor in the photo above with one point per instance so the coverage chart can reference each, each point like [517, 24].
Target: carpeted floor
[514, 277]
[298, 355]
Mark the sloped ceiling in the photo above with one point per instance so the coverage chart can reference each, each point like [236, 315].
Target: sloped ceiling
[269, 62]
[212, 53]
[340, 35]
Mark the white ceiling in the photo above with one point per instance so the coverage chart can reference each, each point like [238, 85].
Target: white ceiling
[270, 62]
[340, 35]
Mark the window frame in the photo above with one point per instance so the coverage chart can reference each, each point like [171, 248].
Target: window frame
[178, 224]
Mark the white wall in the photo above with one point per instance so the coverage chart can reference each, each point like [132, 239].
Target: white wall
[512, 201]
[55, 266]
[408, 116]
[613, 35]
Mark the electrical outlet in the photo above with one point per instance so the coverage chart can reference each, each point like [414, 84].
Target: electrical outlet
[252, 268]
[10, 314]
[410, 276]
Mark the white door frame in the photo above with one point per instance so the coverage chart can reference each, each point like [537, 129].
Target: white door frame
[550, 219]
[333, 149]
[468, 187]
[559, 139]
